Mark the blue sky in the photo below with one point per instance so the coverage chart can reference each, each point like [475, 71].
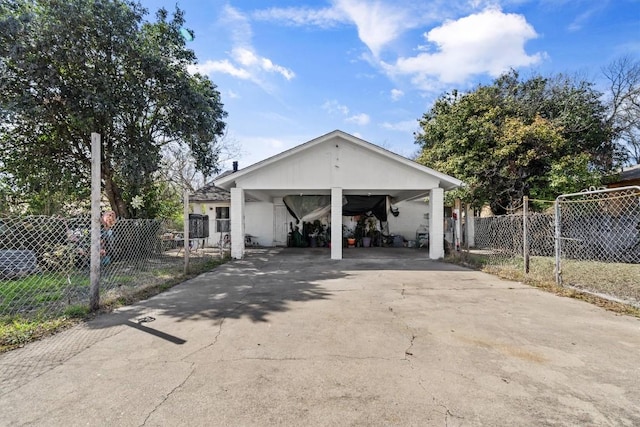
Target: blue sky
[290, 71]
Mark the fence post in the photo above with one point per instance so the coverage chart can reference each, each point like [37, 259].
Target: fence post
[558, 248]
[525, 236]
[185, 242]
[94, 290]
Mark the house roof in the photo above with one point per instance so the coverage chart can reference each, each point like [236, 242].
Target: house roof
[630, 173]
[447, 182]
[629, 176]
[210, 193]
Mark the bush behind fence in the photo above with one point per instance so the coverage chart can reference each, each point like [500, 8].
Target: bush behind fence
[45, 261]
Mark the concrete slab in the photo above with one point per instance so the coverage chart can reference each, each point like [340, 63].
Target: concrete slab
[290, 337]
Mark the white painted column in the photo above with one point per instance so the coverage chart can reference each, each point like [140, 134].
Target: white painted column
[237, 223]
[436, 223]
[471, 227]
[336, 223]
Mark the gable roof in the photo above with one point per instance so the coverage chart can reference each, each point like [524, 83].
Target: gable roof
[447, 182]
[210, 193]
[630, 173]
[629, 176]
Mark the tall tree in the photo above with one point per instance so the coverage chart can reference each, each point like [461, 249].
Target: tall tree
[623, 97]
[537, 137]
[69, 68]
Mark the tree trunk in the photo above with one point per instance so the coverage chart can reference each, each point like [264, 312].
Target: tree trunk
[114, 194]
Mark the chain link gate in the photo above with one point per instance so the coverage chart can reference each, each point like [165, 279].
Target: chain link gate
[589, 241]
[601, 227]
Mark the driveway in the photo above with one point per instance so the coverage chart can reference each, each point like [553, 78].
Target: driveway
[290, 337]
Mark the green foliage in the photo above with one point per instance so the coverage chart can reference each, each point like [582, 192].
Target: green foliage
[79, 311]
[16, 331]
[71, 68]
[539, 137]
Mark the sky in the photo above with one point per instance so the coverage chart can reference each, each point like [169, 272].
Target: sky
[292, 70]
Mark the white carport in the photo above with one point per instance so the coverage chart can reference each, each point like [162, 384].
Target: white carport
[337, 164]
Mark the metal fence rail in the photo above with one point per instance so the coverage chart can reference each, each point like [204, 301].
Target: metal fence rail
[588, 240]
[45, 261]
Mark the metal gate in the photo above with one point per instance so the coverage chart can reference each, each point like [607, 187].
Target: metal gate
[597, 225]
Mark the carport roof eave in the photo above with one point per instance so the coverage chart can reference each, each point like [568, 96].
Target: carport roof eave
[446, 182]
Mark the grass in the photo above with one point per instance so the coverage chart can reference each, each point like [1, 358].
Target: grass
[18, 330]
[36, 289]
[613, 286]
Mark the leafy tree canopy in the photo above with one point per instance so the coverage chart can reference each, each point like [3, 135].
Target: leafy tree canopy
[539, 137]
[73, 67]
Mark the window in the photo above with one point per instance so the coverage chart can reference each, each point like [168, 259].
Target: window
[223, 223]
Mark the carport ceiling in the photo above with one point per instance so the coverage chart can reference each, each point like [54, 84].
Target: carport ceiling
[396, 195]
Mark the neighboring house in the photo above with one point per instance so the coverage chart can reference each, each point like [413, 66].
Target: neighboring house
[628, 177]
[332, 179]
[215, 203]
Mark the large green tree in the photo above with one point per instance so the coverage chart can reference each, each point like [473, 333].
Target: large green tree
[538, 137]
[72, 67]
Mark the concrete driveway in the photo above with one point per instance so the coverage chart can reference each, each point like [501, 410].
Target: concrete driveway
[289, 337]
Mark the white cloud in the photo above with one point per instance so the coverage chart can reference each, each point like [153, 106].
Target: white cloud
[334, 106]
[489, 42]
[408, 126]
[582, 19]
[396, 94]
[237, 25]
[359, 119]
[255, 63]
[301, 16]
[223, 66]
[244, 62]
[378, 22]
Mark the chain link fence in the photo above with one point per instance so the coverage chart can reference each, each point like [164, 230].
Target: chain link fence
[598, 242]
[45, 261]
[589, 241]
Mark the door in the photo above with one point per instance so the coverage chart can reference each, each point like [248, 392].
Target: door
[281, 229]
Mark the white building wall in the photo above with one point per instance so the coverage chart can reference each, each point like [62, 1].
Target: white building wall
[209, 208]
[338, 163]
[411, 217]
[259, 222]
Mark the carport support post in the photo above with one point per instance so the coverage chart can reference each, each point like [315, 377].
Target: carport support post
[237, 223]
[336, 223]
[436, 223]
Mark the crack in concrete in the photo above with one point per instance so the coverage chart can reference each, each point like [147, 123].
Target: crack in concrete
[223, 319]
[328, 357]
[447, 412]
[169, 395]
[408, 352]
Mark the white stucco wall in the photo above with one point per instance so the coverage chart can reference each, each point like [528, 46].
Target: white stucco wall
[209, 208]
[338, 163]
[335, 164]
[259, 222]
[411, 217]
